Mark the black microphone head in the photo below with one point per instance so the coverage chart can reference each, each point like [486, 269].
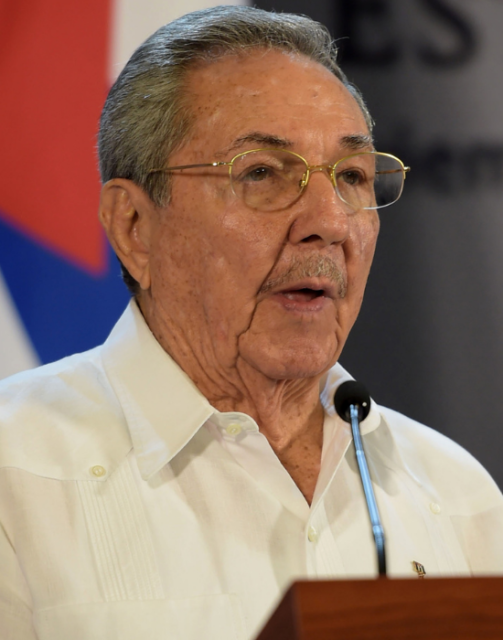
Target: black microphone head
[348, 393]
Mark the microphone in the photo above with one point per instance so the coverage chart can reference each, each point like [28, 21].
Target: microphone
[352, 403]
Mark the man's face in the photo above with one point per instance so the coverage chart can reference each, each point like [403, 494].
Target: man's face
[276, 292]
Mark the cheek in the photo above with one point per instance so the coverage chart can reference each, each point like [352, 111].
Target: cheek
[370, 232]
[245, 252]
[178, 254]
[246, 246]
[227, 237]
[359, 256]
[362, 247]
[212, 260]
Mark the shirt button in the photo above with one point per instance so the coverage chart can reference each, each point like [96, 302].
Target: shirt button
[312, 534]
[233, 429]
[435, 508]
[98, 471]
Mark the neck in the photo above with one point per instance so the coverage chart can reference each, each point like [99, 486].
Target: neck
[288, 411]
[290, 415]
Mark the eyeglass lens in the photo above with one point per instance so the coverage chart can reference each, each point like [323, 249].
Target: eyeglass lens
[271, 180]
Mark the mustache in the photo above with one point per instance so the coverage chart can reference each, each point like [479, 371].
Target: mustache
[310, 267]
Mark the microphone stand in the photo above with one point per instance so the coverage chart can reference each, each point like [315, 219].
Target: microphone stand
[375, 520]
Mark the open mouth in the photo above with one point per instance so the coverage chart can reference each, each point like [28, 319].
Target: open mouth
[303, 295]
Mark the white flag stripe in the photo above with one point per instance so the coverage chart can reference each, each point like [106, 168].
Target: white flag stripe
[16, 351]
[134, 21]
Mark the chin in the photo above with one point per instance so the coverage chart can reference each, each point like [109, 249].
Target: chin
[292, 362]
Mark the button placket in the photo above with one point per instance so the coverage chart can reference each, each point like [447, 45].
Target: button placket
[311, 540]
[322, 546]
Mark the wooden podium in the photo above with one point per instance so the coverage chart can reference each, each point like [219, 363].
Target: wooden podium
[454, 608]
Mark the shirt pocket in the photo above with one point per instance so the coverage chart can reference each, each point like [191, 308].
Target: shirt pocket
[212, 617]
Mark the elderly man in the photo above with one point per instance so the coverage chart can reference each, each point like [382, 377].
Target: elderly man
[171, 483]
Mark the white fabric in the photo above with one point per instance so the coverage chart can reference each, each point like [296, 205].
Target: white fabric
[130, 508]
[16, 351]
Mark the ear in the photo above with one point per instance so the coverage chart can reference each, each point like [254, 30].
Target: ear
[127, 215]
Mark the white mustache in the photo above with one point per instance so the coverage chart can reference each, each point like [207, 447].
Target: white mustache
[311, 267]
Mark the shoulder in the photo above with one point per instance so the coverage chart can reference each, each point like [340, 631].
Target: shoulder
[429, 441]
[46, 383]
[442, 464]
[52, 418]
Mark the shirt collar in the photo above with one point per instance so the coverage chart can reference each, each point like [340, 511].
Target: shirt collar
[162, 406]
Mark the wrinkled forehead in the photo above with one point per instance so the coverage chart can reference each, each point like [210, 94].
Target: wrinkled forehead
[289, 95]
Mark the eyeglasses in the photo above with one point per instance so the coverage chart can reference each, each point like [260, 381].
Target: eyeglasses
[273, 179]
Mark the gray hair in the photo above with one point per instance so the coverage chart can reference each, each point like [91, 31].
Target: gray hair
[146, 115]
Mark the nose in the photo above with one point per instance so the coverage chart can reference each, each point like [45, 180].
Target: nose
[322, 218]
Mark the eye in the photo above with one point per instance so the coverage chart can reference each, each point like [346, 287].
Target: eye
[257, 174]
[352, 177]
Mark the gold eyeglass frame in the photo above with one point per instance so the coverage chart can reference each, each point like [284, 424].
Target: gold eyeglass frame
[329, 168]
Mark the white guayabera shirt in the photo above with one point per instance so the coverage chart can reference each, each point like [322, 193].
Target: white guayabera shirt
[130, 508]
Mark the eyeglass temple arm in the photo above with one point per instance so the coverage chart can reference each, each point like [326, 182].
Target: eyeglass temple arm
[405, 170]
[190, 166]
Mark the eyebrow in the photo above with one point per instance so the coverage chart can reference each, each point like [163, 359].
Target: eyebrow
[353, 142]
[356, 142]
[258, 137]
